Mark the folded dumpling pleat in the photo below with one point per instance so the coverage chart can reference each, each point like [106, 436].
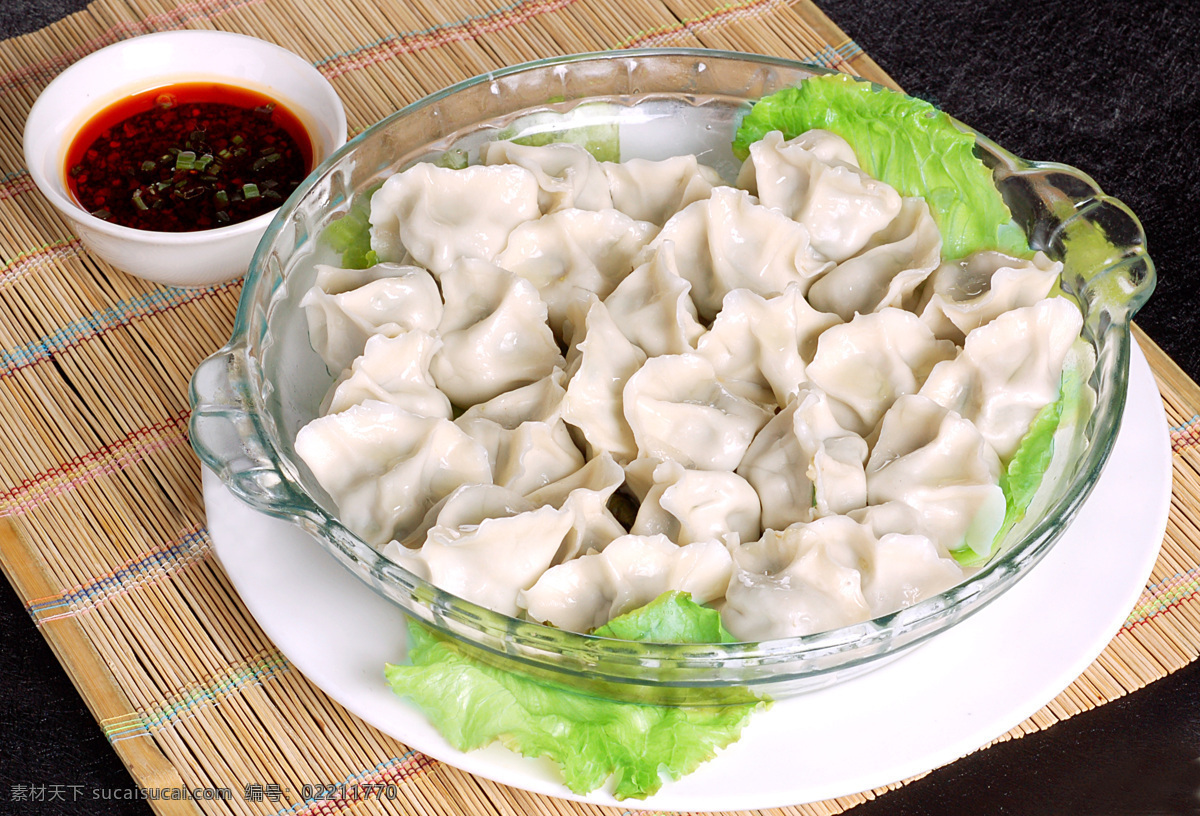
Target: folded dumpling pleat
[869, 362]
[346, 306]
[572, 252]
[490, 562]
[1008, 370]
[653, 308]
[393, 370]
[586, 492]
[678, 410]
[439, 216]
[939, 464]
[698, 505]
[568, 176]
[384, 467]
[803, 464]
[528, 443]
[604, 362]
[654, 191]
[764, 343]
[963, 295]
[494, 334]
[810, 180]
[728, 241]
[889, 269]
[633, 570]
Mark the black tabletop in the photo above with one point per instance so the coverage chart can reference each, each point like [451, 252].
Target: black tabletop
[1110, 86]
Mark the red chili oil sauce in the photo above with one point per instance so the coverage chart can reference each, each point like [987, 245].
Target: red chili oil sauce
[186, 157]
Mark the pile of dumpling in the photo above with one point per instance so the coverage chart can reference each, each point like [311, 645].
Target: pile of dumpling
[571, 385]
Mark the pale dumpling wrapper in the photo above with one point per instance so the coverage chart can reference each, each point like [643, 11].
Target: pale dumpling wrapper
[595, 382]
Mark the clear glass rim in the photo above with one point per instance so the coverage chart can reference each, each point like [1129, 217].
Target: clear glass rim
[536, 642]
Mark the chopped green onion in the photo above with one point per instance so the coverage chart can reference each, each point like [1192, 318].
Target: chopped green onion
[215, 168]
[137, 200]
[237, 139]
[262, 162]
[221, 198]
[185, 160]
[250, 190]
[148, 165]
[223, 217]
[102, 213]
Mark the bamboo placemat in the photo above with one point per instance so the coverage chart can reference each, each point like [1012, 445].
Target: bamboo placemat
[103, 532]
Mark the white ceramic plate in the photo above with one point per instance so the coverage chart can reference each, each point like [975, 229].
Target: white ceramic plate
[927, 708]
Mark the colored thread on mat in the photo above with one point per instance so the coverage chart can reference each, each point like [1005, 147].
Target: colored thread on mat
[44, 71]
[709, 19]
[25, 262]
[110, 458]
[14, 184]
[1186, 435]
[151, 566]
[1160, 597]
[232, 680]
[408, 42]
[401, 769]
[121, 313]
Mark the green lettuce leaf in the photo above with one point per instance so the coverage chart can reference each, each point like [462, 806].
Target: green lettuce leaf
[903, 141]
[585, 125]
[589, 738]
[350, 235]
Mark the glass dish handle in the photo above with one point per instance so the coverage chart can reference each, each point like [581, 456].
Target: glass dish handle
[225, 434]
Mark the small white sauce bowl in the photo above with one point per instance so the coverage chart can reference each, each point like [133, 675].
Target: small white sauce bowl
[184, 259]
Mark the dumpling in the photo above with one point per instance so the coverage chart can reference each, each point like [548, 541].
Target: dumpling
[346, 306]
[593, 403]
[522, 430]
[490, 562]
[393, 370]
[440, 215]
[764, 343]
[939, 464]
[494, 334]
[1008, 370]
[384, 467]
[569, 253]
[678, 410]
[833, 572]
[568, 176]
[591, 590]
[586, 492]
[889, 269]
[728, 241]
[652, 307]
[464, 506]
[809, 180]
[803, 464]
[698, 505]
[963, 295]
[866, 363]
[805, 578]
[654, 191]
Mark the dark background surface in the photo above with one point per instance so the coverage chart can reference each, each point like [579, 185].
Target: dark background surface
[1107, 86]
